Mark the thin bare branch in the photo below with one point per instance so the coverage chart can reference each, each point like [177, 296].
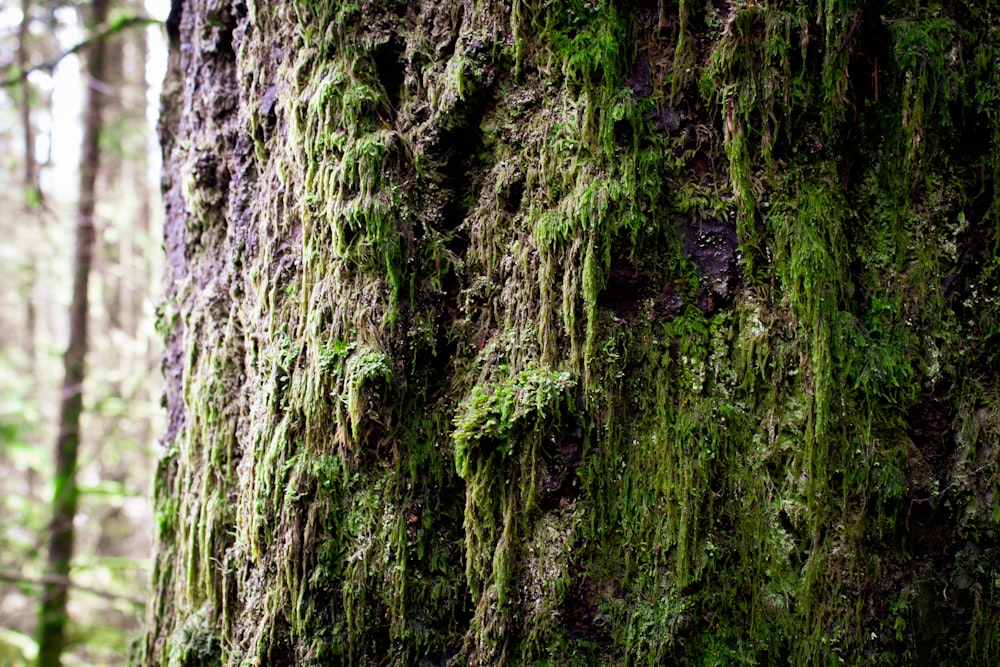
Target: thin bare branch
[110, 31]
[17, 578]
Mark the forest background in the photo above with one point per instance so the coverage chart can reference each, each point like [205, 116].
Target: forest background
[42, 103]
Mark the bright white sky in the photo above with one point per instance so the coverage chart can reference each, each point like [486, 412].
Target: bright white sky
[66, 85]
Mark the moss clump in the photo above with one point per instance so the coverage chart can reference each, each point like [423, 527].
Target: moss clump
[496, 415]
[499, 434]
[196, 643]
[368, 378]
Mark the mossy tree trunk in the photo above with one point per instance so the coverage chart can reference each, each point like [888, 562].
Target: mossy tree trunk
[580, 333]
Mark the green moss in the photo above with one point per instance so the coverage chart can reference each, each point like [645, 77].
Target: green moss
[498, 436]
[493, 414]
[368, 376]
[491, 405]
[195, 644]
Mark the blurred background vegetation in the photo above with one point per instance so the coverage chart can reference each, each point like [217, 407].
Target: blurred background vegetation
[41, 132]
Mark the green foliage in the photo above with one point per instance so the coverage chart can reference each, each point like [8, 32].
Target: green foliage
[16, 649]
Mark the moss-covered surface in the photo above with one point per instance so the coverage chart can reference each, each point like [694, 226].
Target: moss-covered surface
[581, 333]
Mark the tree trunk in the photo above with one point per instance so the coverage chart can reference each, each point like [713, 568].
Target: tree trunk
[579, 333]
[30, 179]
[52, 620]
[31, 191]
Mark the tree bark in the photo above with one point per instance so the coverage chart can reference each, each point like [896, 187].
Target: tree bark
[579, 333]
[30, 167]
[51, 633]
[31, 191]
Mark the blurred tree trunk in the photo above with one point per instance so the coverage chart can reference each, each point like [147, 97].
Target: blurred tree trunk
[52, 610]
[31, 190]
[121, 111]
[579, 333]
[137, 280]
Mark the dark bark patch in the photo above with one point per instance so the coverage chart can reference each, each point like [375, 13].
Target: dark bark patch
[267, 106]
[512, 194]
[666, 118]
[457, 148]
[631, 289]
[930, 519]
[639, 80]
[712, 246]
[623, 131]
[669, 301]
[624, 289]
[974, 243]
[583, 619]
[562, 454]
[722, 7]
[701, 166]
[207, 173]
[390, 68]
[930, 428]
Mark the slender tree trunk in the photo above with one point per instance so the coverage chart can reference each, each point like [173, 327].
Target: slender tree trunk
[52, 613]
[31, 190]
[108, 261]
[23, 60]
[137, 280]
